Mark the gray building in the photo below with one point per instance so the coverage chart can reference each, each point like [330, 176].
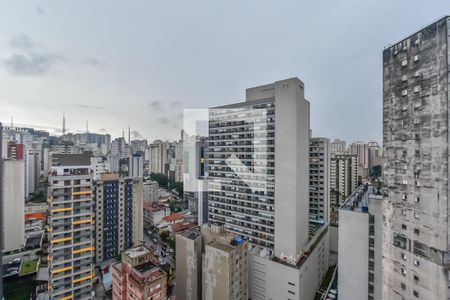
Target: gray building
[319, 180]
[211, 264]
[415, 167]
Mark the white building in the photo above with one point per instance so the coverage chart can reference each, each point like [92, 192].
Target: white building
[158, 156]
[360, 245]
[259, 188]
[338, 147]
[136, 166]
[13, 204]
[99, 166]
[343, 177]
[151, 191]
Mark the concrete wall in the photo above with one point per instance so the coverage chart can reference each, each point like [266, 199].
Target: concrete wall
[189, 268]
[353, 249]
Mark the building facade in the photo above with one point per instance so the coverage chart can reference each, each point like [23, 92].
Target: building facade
[119, 221]
[319, 180]
[71, 241]
[138, 277]
[415, 164]
[13, 208]
[343, 177]
[360, 243]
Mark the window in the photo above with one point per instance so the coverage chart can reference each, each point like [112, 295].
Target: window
[416, 58]
[416, 263]
[404, 92]
[404, 181]
[417, 215]
[404, 256]
[404, 77]
[405, 197]
[417, 199]
[416, 231]
[403, 271]
[416, 278]
[417, 89]
[403, 286]
[404, 212]
[416, 294]
[403, 226]
[404, 63]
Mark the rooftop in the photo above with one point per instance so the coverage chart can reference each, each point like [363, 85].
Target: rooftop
[173, 217]
[71, 159]
[192, 233]
[137, 251]
[359, 200]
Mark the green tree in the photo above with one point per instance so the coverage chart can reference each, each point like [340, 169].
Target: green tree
[161, 179]
[164, 235]
[376, 171]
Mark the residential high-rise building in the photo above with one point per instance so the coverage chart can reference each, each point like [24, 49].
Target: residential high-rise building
[319, 180]
[151, 191]
[361, 150]
[99, 166]
[136, 166]
[32, 169]
[13, 208]
[415, 164]
[258, 188]
[360, 272]
[158, 156]
[15, 150]
[119, 221]
[138, 276]
[343, 177]
[71, 249]
[196, 176]
[375, 155]
[338, 147]
[219, 271]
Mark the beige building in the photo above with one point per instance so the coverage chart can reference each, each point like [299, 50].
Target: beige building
[119, 223]
[343, 177]
[219, 272]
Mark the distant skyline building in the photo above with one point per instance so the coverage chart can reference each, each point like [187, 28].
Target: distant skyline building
[136, 166]
[416, 164]
[158, 157]
[343, 177]
[338, 147]
[151, 191]
[71, 241]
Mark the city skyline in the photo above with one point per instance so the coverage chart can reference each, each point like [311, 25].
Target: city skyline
[161, 67]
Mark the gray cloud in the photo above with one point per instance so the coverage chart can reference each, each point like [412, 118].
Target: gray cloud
[22, 42]
[31, 64]
[40, 10]
[85, 106]
[156, 106]
[163, 120]
[136, 134]
[93, 62]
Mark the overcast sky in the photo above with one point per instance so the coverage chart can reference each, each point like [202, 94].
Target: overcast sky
[116, 63]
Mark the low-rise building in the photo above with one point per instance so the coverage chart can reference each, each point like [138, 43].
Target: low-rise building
[170, 220]
[154, 214]
[137, 276]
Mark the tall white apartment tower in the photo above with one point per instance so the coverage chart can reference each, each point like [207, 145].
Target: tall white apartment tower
[416, 164]
[71, 249]
[258, 166]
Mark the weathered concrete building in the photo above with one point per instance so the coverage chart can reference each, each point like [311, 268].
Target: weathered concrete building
[211, 264]
[416, 167]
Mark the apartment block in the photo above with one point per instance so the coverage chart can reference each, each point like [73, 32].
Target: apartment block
[343, 177]
[319, 180]
[151, 191]
[360, 272]
[138, 277]
[259, 169]
[119, 221]
[415, 165]
[71, 241]
[338, 146]
[136, 166]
